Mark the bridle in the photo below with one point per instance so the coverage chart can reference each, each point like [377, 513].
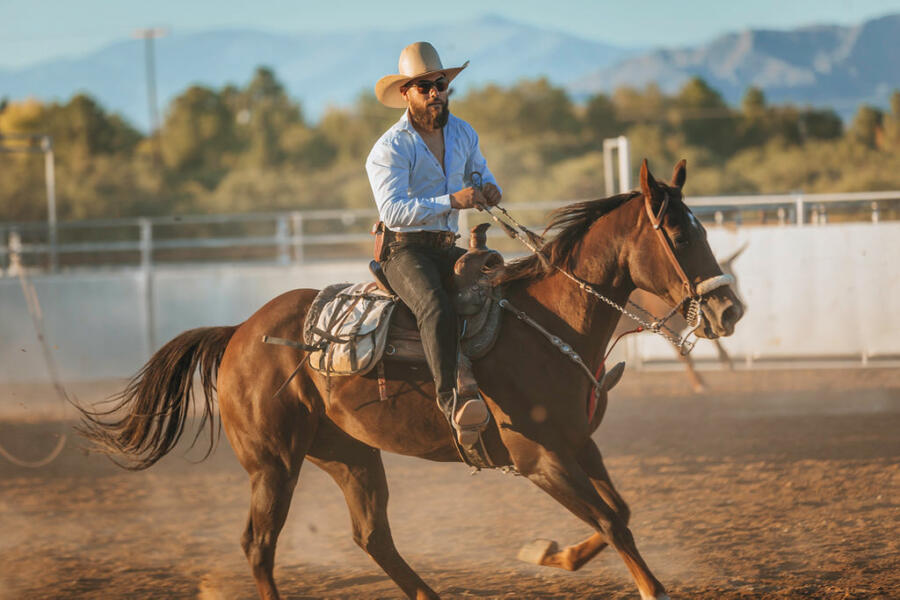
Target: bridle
[693, 294]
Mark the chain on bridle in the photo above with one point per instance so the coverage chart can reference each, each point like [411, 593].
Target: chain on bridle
[693, 295]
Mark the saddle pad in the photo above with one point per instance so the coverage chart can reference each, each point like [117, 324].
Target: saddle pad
[351, 323]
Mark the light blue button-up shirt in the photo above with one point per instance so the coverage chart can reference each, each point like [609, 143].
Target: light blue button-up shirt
[411, 189]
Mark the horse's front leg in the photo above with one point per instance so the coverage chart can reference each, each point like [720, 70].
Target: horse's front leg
[571, 558]
[567, 481]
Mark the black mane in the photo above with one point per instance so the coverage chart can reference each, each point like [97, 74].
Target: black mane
[572, 222]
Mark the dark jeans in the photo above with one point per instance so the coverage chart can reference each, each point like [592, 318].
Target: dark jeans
[419, 276]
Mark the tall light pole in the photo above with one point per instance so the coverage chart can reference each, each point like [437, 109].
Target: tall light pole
[148, 35]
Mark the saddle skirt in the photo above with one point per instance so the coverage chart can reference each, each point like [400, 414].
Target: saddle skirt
[357, 325]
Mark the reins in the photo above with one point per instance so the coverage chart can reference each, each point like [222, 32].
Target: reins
[694, 294]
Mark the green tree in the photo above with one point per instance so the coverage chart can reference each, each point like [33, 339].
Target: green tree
[704, 118]
[600, 117]
[753, 104]
[527, 109]
[867, 126]
[197, 136]
[892, 123]
[265, 112]
[821, 124]
[633, 105]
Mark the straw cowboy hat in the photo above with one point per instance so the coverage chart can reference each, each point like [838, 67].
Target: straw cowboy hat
[416, 60]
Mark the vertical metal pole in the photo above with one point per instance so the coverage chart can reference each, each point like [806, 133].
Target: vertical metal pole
[146, 245]
[50, 178]
[151, 82]
[282, 235]
[624, 165]
[801, 216]
[4, 240]
[15, 253]
[297, 236]
[608, 171]
[148, 35]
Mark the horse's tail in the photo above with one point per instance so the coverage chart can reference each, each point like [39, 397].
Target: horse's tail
[151, 412]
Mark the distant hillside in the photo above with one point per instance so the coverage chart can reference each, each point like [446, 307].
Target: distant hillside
[318, 69]
[826, 66]
[839, 67]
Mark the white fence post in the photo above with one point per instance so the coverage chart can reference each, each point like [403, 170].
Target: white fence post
[146, 245]
[801, 216]
[297, 235]
[283, 239]
[609, 177]
[624, 165]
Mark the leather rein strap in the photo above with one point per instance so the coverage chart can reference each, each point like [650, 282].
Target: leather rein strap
[693, 294]
[656, 222]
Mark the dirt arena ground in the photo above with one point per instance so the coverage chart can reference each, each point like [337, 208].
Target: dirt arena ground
[775, 484]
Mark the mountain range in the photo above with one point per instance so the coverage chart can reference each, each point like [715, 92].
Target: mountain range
[837, 67]
[831, 66]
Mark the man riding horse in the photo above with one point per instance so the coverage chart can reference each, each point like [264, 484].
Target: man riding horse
[421, 173]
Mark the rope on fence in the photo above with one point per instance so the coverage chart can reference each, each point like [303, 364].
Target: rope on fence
[37, 320]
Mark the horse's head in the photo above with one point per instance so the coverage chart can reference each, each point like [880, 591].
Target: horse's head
[673, 260]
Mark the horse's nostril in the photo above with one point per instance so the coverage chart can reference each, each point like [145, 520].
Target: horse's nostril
[730, 316]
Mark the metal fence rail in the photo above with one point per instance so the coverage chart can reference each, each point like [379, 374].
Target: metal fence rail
[303, 236]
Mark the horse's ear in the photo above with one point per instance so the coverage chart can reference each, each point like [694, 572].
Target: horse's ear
[726, 263]
[679, 174]
[648, 184]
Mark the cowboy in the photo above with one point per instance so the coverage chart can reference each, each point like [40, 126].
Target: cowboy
[421, 173]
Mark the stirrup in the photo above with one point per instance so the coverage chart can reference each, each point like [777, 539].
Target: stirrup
[470, 420]
[475, 417]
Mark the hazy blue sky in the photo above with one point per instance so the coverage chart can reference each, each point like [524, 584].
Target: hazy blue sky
[34, 30]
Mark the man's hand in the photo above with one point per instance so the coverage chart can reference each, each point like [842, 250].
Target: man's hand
[491, 194]
[468, 198]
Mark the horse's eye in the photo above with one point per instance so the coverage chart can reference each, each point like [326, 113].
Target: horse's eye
[680, 241]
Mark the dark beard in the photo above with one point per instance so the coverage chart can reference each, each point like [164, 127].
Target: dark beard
[426, 119]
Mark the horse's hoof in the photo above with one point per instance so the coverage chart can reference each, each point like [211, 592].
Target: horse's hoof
[536, 551]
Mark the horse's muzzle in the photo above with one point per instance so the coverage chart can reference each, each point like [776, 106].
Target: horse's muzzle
[721, 310]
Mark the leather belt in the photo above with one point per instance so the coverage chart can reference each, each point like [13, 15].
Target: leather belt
[431, 239]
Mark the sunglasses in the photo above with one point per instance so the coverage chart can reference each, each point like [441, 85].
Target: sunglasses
[424, 85]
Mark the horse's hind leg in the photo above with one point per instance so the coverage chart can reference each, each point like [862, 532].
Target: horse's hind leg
[271, 447]
[358, 470]
[271, 489]
[571, 558]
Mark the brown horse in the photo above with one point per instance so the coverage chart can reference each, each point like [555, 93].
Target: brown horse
[536, 395]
